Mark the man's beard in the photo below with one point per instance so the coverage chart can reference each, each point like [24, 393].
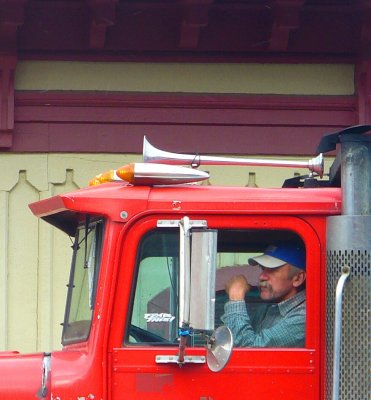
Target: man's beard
[268, 289]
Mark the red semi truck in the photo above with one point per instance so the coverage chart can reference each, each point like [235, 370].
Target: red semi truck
[151, 253]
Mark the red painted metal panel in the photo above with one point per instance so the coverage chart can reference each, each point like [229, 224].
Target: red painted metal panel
[111, 199]
[284, 381]
[261, 373]
[77, 373]
[21, 375]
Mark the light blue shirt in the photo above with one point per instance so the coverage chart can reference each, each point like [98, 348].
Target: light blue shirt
[272, 325]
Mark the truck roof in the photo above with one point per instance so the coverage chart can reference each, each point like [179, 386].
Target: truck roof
[120, 201]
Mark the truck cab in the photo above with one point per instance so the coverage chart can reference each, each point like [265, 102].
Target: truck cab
[147, 292]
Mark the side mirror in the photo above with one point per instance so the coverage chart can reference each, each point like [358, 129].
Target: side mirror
[219, 348]
[197, 266]
[203, 271]
[197, 273]
[202, 303]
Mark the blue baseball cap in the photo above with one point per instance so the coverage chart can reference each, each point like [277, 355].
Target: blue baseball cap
[280, 254]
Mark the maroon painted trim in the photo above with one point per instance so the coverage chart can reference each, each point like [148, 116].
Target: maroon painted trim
[111, 99]
[161, 57]
[7, 76]
[208, 124]
[363, 87]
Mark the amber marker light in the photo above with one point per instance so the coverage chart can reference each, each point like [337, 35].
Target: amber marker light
[104, 177]
[126, 173]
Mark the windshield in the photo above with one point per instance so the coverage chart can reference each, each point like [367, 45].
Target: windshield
[83, 282]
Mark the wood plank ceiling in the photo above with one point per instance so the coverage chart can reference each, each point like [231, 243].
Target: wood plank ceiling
[221, 29]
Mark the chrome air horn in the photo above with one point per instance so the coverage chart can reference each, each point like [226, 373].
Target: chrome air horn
[153, 155]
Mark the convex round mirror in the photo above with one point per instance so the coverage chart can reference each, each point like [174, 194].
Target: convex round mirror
[219, 348]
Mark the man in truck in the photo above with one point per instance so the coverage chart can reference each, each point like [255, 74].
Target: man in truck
[280, 321]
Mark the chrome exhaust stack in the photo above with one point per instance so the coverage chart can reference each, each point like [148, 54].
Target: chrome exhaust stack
[348, 322]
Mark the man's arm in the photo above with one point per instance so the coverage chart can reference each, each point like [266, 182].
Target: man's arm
[288, 331]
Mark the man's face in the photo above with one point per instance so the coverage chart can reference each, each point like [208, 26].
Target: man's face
[277, 284]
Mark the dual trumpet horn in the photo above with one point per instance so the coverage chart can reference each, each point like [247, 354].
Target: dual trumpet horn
[153, 155]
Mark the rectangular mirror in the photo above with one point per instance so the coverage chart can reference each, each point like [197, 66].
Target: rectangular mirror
[203, 270]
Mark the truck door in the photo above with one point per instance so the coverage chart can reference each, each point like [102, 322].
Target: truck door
[145, 317]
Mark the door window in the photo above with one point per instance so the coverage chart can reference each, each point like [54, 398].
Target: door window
[155, 310]
[154, 314]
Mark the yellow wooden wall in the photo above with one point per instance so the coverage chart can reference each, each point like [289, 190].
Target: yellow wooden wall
[288, 79]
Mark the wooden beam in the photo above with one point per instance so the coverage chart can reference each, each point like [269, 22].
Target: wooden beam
[11, 17]
[7, 74]
[195, 17]
[363, 88]
[364, 12]
[363, 65]
[286, 18]
[102, 16]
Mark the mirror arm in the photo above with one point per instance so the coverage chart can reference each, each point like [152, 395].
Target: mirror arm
[184, 271]
[184, 286]
[183, 333]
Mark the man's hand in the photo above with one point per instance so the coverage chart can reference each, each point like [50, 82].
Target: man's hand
[237, 287]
